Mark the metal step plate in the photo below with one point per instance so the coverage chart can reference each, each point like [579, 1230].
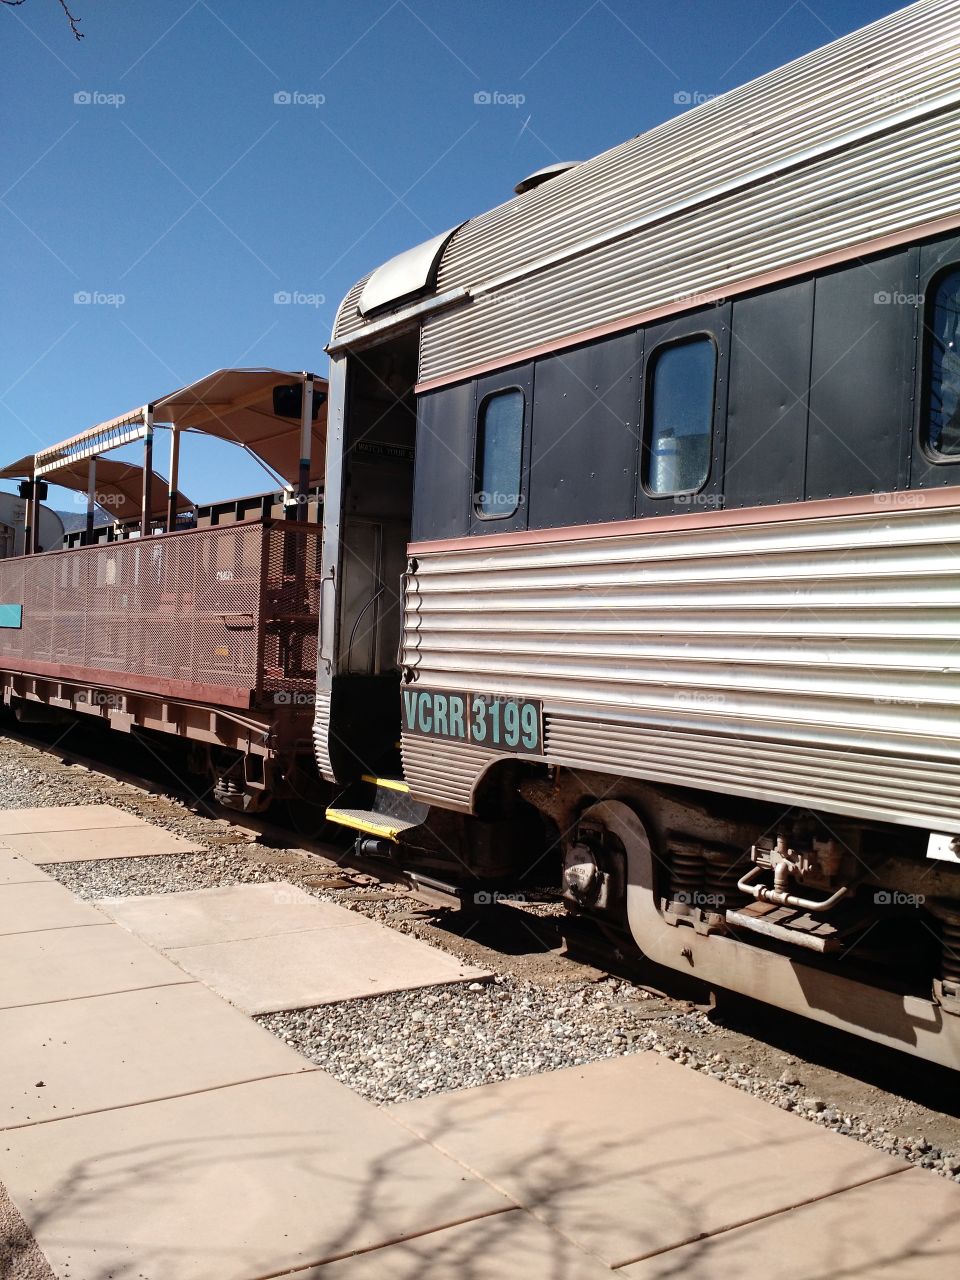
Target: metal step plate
[370, 822]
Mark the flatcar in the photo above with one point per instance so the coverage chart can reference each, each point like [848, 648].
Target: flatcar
[642, 540]
[195, 627]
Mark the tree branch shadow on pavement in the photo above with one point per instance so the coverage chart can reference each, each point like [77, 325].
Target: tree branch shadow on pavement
[356, 1207]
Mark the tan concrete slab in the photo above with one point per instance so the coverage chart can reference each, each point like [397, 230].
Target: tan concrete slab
[902, 1228]
[137, 1046]
[233, 1184]
[17, 870]
[267, 947]
[43, 905]
[94, 844]
[69, 964]
[201, 916]
[73, 817]
[320, 966]
[633, 1155]
[508, 1246]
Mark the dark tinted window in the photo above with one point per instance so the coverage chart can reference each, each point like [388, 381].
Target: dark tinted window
[499, 455]
[943, 397]
[680, 416]
[443, 477]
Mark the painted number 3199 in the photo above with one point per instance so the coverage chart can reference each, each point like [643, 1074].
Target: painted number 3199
[482, 719]
[504, 722]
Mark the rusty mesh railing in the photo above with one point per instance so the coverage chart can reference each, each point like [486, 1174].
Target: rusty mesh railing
[226, 614]
[291, 612]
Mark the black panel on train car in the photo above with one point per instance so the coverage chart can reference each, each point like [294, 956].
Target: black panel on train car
[514, 505]
[583, 461]
[715, 322]
[861, 377]
[771, 335]
[443, 475]
[930, 469]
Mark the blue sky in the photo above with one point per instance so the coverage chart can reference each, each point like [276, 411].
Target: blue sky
[150, 167]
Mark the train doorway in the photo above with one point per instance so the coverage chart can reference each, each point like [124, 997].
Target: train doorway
[378, 439]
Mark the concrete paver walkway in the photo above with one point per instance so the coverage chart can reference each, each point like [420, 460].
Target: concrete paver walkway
[266, 947]
[17, 870]
[629, 1156]
[67, 964]
[85, 833]
[150, 1130]
[231, 1184]
[506, 1246]
[44, 904]
[901, 1228]
[147, 1128]
[93, 1054]
[69, 818]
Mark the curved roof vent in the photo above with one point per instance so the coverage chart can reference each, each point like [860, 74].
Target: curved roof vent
[544, 175]
[404, 276]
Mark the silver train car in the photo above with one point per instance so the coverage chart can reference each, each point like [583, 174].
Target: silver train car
[642, 540]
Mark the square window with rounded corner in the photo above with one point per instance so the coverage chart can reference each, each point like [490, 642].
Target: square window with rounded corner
[499, 461]
[680, 388]
[942, 435]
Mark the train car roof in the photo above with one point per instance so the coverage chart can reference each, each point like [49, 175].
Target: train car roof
[842, 152]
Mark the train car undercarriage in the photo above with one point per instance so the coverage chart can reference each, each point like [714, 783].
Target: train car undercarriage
[246, 760]
[848, 922]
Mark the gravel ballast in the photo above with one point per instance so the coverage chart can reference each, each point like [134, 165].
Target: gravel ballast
[396, 1047]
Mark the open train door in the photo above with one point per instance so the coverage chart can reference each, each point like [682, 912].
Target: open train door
[369, 498]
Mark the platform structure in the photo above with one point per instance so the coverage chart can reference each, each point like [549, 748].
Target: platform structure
[151, 1128]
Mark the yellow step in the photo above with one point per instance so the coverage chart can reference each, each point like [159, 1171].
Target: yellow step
[391, 784]
[369, 822]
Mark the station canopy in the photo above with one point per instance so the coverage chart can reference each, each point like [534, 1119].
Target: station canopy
[257, 409]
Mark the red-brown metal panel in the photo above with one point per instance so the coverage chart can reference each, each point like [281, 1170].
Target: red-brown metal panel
[291, 613]
[227, 614]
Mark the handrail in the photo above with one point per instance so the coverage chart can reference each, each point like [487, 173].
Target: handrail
[353, 633]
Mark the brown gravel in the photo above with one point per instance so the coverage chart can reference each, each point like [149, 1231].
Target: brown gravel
[20, 1258]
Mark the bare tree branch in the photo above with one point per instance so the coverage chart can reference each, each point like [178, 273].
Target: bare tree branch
[74, 22]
